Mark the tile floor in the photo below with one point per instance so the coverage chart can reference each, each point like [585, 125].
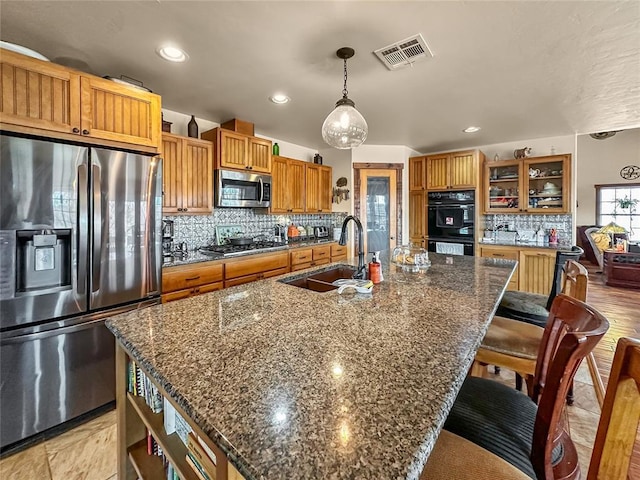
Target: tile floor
[88, 452]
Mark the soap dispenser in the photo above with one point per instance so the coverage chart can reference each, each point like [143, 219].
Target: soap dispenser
[375, 268]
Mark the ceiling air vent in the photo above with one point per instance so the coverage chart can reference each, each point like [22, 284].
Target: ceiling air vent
[404, 53]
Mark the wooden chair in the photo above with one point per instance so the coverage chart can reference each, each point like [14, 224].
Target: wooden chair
[527, 431]
[453, 457]
[620, 415]
[514, 345]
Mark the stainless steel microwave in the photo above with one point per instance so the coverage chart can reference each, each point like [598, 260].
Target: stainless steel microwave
[242, 189]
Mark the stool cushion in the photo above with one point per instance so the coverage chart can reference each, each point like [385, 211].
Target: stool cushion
[456, 457]
[513, 337]
[497, 418]
[524, 306]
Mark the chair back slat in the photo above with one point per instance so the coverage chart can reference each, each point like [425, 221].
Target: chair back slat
[573, 330]
[620, 415]
[576, 278]
[561, 259]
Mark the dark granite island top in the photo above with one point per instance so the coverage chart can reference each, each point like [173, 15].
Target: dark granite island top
[292, 383]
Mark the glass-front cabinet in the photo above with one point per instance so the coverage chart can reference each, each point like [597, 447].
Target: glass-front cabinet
[531, 185]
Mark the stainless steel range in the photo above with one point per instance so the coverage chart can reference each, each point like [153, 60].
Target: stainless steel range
[220, 251]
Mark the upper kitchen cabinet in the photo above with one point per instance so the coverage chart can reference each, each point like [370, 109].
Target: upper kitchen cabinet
[236, 151]
[288, 185]
[447, 171]
[318, 188]
[532, 185]
[187, 175]
[417, 179]
[43, 98]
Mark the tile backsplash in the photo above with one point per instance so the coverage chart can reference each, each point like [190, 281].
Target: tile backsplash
[199, 230]
[561, 222]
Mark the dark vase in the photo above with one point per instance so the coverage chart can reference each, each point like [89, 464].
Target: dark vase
[192, 128]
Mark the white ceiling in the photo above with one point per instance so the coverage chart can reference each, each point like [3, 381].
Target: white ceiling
[520, 70]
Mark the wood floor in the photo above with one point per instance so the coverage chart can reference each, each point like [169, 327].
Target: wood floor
[621, 306]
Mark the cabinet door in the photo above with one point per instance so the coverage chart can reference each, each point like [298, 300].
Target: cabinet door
[171, 174]
[301, 256]
[463, 170]
[536, 270]
[322, 252]
[417, 173]
[197, 166]
[296, 186]
[39, 94]
[279, 185]
[436, 172]
[547, 185]
[504, 254]
[233, 150]
[503, 187]
[325, 189]
[312, 194]
[260, 155]
[179, 295]
[123, 114]
[417, 214]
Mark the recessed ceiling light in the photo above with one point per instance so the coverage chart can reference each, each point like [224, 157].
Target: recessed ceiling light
[471, 129]
[172, 54]
[279, 98]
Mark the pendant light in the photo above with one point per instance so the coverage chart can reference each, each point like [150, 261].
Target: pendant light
[345, 127]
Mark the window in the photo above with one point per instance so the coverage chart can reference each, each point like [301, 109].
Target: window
[620, 204]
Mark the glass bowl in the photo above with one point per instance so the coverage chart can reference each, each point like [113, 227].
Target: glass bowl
[411, 258]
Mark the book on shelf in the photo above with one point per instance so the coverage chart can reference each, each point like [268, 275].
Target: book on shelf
[198, 453]
[141, 386]
[169, 417]
[182, 427]
[195, 466]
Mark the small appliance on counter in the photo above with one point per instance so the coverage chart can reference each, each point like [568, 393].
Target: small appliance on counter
[167, 238]
[321, 233]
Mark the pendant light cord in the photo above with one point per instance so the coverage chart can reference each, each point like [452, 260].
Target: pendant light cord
[344, 90]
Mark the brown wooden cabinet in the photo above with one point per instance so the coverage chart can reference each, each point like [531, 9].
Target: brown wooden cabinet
[255, 267]
[417, 178]
[532, 185]
[306, 257]
[447, 171]
[44, 98]
[535, 266]
[187, 175]
[418, 218]
[288, 185]
[184, 281]
[338, 252]
[318, 188]
[236, 151]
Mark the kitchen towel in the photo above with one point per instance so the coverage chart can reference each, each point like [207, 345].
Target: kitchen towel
[450, 248]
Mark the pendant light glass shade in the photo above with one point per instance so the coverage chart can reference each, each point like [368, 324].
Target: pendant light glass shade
[345, 127]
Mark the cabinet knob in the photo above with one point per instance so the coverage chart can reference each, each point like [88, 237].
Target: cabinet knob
[85, 132]
[185, 209]
[76, 130]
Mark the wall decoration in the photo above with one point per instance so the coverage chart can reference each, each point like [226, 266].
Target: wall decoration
[340, 193]
[630, 172]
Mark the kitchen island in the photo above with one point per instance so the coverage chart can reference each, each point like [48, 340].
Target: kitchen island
[292, 383]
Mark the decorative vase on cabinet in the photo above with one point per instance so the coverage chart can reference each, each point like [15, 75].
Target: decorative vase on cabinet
[192, 128]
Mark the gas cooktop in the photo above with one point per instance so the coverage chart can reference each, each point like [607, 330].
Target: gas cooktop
[219, 251]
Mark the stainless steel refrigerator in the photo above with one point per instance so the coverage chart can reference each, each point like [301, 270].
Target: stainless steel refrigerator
[80, 240]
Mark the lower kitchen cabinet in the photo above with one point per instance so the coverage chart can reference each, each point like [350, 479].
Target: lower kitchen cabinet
[255, 267]
[187, 280]
[302, 258]
[535, 266]
[338, 252]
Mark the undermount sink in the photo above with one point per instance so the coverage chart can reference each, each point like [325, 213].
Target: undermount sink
[322, 281]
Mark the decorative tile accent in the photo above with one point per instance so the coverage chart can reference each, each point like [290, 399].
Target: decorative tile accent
[561, 222]
[200, 230]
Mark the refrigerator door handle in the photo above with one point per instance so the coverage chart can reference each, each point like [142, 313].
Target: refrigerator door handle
[83, 229]
[97, 228]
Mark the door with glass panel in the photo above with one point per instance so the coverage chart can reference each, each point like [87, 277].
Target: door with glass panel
[378, 209]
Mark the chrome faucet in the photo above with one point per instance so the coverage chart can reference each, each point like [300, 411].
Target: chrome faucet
[362, 269]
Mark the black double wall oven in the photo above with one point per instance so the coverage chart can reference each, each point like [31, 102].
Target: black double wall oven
[451, 218]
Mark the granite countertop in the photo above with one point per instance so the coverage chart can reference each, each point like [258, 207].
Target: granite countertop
[195, 256]
[292, 383]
